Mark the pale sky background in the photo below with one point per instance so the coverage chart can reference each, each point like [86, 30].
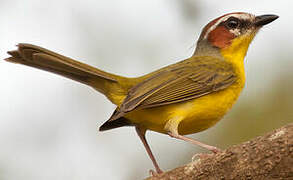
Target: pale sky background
[48, 124]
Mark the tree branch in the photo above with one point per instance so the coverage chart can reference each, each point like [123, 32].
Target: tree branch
[265, 157]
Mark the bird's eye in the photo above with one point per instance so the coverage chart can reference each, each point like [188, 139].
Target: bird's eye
[232, 23]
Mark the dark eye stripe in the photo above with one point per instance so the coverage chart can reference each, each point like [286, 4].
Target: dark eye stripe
[243, 23]
[232, 23]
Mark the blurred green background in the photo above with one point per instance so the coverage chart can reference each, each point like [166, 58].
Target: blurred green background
[48, 124]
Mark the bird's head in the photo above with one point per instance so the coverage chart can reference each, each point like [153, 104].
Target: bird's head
[229, 36]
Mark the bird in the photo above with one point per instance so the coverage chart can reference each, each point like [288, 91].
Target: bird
[177, 100]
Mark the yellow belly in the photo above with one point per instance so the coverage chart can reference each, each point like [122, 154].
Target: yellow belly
[196, 115]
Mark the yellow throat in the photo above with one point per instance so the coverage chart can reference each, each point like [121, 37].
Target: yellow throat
[236, 52]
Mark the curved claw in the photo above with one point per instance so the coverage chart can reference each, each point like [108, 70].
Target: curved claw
[215, 150]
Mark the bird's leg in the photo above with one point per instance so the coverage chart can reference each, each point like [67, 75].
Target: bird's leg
[141, 134]
[193, 141]
[172, 128]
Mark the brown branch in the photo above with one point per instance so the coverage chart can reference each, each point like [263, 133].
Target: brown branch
[265, 157]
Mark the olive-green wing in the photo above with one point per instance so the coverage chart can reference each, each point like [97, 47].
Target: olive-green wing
[187, 80]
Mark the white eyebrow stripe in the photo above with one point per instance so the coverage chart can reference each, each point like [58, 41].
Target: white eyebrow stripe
[239, 16]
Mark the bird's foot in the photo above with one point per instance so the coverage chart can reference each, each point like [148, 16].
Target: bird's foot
[199, 156]
[215, 149]
[155, 173]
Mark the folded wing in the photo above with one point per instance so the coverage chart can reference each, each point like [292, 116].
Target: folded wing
[187, 80]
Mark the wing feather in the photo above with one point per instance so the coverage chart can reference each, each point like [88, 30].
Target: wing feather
[180, 82]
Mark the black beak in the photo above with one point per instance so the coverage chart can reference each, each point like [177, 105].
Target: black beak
[264, 19]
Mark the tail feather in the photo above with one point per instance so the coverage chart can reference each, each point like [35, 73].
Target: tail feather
[112, 86]
[37, 57]
[41, 58]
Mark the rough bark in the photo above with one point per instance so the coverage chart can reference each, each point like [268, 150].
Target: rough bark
[266, 157]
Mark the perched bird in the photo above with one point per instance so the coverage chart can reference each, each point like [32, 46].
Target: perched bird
[183, 98]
